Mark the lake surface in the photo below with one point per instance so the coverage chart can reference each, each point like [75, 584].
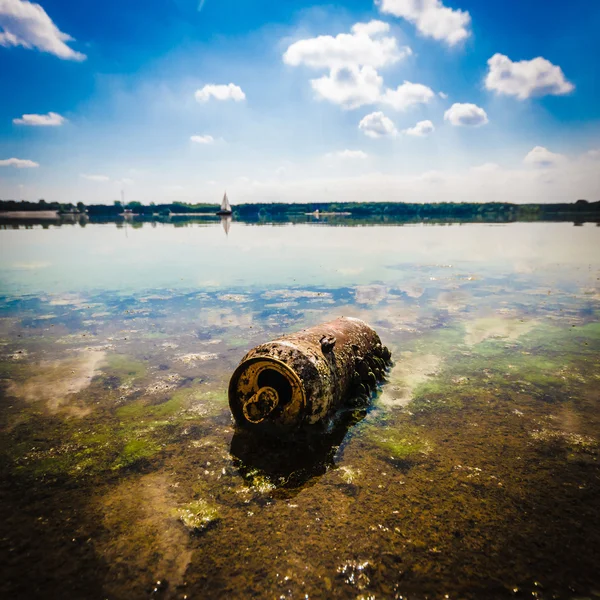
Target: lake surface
[473, 473]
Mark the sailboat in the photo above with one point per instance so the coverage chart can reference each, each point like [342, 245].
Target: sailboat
[127, 212]
[225, 206]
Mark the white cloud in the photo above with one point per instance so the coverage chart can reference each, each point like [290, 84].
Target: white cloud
[364, 46]
[466, 114]
[421, 129]
[377, 125]
[352, 60]
[443, 95]
[349, 86]
[26, 24]
[98, 178]
[592, 154]
[220, 92]
[526, 78]
[203, 139]
[431, 18]
[488, 167]
[124, 181]
[347, 154]
[19, 163]
[49, 120]
[542, 157]
[407, 95]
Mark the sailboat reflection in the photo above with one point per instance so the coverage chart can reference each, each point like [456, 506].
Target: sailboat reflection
[226, 223]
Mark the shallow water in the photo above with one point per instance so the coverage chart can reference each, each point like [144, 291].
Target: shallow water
[474, 473]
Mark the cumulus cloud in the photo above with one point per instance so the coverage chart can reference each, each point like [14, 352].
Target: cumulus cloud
[421, 129]
[377, 125]
[542, 158]
[52, 119]
[19, 163]
[347, 154]
[26, 24]
[220, 92]
[364, 46]
[352, 60]
[407, 95]
[467, 114]
[526, 78]
[349, 86]
[431, 18]
[97, 178]
[203, 139]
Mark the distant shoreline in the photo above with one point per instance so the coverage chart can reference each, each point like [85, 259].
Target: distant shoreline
[29, 214]
[333, 213]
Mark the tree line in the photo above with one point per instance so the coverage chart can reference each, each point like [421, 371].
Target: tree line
[374, 211]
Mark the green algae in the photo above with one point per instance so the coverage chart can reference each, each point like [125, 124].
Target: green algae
[198, 515]
[86, 455]
[408, 444]
[134, 451]
[542, 362]
[124, 367]
[84, 448]
[121, 438]
[438, 394]
[140, 409]
[442, 341]
[184, 404]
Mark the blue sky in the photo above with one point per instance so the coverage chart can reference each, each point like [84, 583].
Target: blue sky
[413, 100]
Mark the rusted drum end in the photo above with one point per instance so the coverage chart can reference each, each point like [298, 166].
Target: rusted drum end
[263, 390]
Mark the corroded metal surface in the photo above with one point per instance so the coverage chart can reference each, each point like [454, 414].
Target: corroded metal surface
[300, 379]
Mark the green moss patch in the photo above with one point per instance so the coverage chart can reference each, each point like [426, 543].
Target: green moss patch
[407, 444]
[125, 368]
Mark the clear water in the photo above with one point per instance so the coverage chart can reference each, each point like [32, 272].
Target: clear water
[474, 473]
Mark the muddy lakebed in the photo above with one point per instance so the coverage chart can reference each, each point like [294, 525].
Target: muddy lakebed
[472, 473]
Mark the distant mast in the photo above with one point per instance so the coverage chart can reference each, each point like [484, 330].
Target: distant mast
[127, 212]
[225, 206]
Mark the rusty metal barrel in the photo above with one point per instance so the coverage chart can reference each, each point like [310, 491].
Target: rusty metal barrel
[303, 378]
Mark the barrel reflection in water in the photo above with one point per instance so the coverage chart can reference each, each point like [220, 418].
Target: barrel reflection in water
[302, 379]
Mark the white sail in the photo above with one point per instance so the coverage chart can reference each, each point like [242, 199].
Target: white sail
[225, 206]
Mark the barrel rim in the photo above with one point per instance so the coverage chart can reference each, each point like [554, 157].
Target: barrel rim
[236, 408]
